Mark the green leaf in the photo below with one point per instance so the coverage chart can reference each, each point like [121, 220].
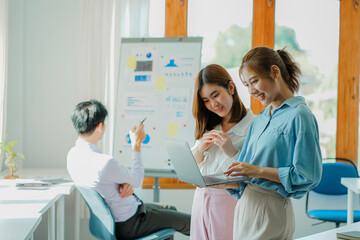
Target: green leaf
[13, 143]
[8, 148]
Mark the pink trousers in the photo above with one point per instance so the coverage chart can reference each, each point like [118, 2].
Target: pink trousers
[212, 215]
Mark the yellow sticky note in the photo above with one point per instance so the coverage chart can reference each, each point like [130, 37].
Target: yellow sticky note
[160, 83]
[173, 129]
[131, 62]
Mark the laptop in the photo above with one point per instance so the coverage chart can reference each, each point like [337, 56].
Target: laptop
[187, 169]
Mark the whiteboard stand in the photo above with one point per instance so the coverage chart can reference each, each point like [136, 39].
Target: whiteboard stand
[156, 174]
[156, 189]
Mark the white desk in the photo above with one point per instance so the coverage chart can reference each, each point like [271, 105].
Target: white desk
[353, 186]
[18, 228]
[51, 199]
[331, 234]
[14, 201]
[19, 220]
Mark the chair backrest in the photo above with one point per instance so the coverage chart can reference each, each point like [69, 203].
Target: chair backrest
[331, 177]
[101, 222]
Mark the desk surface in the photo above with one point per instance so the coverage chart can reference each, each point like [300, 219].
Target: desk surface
[42, 174]
[331, 234]
[39, 200]
[352, 183]
[21, 228]
[21, 208]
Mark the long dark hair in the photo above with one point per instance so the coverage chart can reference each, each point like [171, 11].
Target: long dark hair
[205, 119]
[260, 59]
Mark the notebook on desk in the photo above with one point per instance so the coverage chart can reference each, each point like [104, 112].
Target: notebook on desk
[55, 180]
[31, 183]
[187, 169]
[352, 235]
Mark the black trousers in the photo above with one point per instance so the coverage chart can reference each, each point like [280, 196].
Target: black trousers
[150, 218]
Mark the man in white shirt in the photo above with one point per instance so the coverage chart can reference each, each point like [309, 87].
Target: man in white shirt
[88, 166]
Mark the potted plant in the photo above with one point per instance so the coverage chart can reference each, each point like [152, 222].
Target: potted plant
[7, 153]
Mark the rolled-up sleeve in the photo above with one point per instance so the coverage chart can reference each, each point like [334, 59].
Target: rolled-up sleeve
[306, 169]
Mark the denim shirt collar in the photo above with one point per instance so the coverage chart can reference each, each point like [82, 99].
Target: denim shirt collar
[290, 102]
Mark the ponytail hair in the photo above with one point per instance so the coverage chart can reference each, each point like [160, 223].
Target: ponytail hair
[260, 59]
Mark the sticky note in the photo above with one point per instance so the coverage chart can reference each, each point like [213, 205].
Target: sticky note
[160, 83]
[173, 129]
[131, 62]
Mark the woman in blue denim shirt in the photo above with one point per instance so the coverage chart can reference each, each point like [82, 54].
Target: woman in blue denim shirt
[281, 152]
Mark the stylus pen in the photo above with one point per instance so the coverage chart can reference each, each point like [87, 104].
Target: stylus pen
[134, 129]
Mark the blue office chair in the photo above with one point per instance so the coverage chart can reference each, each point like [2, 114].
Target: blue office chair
[102, 225]
[330, 186]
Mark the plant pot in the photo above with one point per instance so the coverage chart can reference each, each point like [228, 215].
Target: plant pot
[11, 175]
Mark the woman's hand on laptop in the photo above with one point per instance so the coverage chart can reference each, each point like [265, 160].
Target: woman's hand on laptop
[125, 190]
[243, 169]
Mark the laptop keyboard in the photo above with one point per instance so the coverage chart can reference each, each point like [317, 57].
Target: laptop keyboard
[219, 178]
[212, 180]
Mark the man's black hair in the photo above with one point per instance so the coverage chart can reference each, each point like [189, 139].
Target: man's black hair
[87, 115]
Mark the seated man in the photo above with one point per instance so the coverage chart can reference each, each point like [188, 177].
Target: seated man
[88, 166]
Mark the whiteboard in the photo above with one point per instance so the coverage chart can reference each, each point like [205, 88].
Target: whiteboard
[156, 81]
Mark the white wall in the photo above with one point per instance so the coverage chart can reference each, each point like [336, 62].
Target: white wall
[44, 37]
[43, 51]
[15, 86]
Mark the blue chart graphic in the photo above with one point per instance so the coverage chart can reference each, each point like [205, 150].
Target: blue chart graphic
[148, 55]
[142, 78]
[171, 63]
[128, 140]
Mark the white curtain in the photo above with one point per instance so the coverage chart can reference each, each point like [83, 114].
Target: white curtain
[4, 6]
[103, 24]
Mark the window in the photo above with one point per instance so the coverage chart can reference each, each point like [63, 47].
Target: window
[310, 31]
[226, 33]
[157, 18]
